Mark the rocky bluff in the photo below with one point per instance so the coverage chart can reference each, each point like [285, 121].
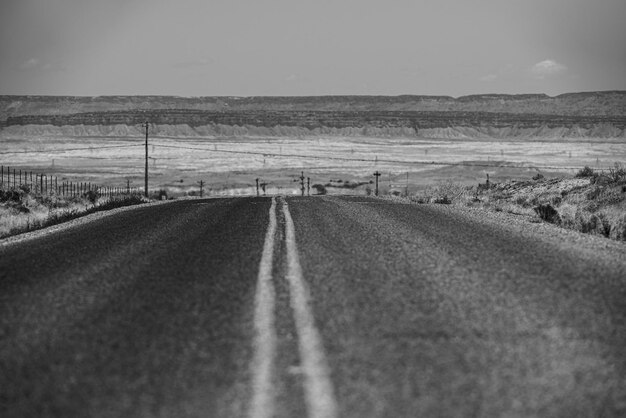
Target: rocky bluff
[599, 114]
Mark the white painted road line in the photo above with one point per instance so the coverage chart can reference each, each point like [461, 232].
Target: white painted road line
[262, 403]
[318, 389]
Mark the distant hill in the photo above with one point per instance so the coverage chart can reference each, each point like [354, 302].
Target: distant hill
[574, 114]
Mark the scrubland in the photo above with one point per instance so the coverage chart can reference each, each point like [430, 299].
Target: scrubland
[425, 169]
[592, 202]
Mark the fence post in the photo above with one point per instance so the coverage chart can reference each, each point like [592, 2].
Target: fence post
[14, 183]
[2, 177]
[41, 183]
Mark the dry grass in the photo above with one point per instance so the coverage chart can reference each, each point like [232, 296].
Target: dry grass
[593, 203]
[22, 211]
[178, 163]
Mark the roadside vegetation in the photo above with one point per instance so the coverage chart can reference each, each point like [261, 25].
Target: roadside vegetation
[22, 210]
[592, 202]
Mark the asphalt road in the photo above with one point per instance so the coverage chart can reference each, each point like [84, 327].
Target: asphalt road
[311, 307]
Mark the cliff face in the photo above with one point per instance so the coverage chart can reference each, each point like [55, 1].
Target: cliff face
[601, 114]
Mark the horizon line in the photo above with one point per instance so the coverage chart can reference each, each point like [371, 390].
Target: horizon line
[322, 95]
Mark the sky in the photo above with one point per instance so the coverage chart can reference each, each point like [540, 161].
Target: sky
[311, 47]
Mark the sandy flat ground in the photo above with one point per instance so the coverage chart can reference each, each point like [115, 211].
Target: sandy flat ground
[235, 163]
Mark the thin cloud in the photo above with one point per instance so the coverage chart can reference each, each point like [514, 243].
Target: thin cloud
[200, 62]
[29, 64]
[36, 65]
[547, 68]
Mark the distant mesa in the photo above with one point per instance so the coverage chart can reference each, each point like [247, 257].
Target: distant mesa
[592, 114]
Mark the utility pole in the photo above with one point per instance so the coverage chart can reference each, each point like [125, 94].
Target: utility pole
[201, 187]
[302, 183]
[127, 186]
[406, 191]
[377, 174]
[146, 125]
[308, 186]
[257, 186]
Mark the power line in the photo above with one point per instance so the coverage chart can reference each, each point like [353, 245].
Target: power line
[67, 149]
[301, 156]
[365, 160]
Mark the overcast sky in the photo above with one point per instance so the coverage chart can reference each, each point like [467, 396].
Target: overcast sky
[311, 47]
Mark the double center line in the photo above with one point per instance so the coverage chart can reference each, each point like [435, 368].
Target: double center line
[318, 390]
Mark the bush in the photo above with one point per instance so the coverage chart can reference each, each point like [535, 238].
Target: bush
[11, 196]
[617, 173]
[538, 176]
[585, 172]
[92, 196]
[320, 188]
[548, 213]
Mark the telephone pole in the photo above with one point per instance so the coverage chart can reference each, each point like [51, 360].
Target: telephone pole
[377, 174]
[146, 125]
[201, 187]
[302, 183]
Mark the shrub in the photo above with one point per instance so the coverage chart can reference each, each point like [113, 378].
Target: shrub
[585, 172]
[320, 188]
[617, 173]
[548, 213]
[11, 196]
[538, 176]
[92, 196]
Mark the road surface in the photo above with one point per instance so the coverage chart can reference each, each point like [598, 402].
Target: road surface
[311, 307]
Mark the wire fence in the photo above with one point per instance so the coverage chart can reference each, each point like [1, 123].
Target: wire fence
[40, 183]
